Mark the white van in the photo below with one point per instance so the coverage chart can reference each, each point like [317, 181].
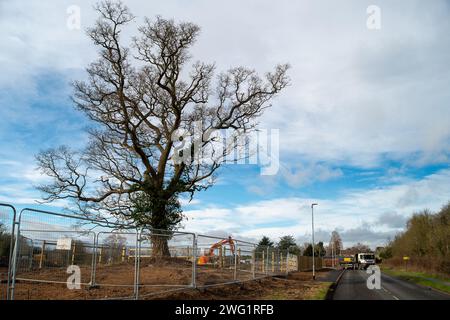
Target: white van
[364, 260]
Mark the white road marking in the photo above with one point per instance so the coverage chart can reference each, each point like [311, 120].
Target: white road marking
[387, 291]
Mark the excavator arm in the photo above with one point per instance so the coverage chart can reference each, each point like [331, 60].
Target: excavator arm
[202, 260]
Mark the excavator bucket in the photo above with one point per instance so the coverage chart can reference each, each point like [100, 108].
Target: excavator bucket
[202, 260]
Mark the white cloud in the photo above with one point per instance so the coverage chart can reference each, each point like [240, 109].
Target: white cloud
[21, 171]
[378, 212]
[298, 174]
[356, 96]
[189, 202]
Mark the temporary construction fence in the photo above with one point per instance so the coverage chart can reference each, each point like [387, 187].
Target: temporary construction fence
[305, 263]
[330, 262]
[50, 255]
[7, 218]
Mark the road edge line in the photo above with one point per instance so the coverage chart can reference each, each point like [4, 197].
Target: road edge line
[332, 288]
[425, 287]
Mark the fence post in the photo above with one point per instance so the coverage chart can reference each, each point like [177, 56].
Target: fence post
[280, 262]
[263, 262]
[94, 260]
[253, 263]
[11, 245]
[225, 257]
[239, 257]
[137, 263]
[235, 266]
[287, 263]
[194, 261]
[73, 252]
[123, 253]
[267, 261]
[16, 254]
[41, 258]
[100, 255]
[30, 266]
[273, 261]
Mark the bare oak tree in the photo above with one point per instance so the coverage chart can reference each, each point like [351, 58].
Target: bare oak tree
[139, 99]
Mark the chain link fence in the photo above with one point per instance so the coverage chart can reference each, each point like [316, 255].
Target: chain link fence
[62, 256]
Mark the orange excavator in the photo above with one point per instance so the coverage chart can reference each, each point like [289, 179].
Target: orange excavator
[202, 260]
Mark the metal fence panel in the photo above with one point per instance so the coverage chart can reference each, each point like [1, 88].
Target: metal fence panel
[242, 262]
[163, 271]
[118, 261]
[115, 264]
[7, 239]
[47, 245]
[245, 260]
[215, 261]
[43, 263]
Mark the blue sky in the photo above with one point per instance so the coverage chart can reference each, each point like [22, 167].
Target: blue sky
[364, 127]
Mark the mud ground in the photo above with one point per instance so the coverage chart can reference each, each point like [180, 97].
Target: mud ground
[166, 280]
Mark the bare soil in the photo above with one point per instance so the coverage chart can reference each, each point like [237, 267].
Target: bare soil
[163, 280]
[298, 286]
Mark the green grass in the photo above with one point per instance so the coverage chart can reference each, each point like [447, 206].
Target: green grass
[318, 292]
[321, 292]
[426, 279]
[277, 296]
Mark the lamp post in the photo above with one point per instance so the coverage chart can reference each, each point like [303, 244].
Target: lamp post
[332, 253]
[313, 247]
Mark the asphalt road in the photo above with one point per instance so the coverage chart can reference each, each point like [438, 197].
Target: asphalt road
[353, 286]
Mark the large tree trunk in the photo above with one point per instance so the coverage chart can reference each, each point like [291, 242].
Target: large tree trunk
[160, 246]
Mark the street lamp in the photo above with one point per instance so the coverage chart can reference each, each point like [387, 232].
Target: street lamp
[313, 247]
[332, 253]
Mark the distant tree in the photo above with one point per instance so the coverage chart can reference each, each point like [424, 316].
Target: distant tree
[335, 243]
[308, 250]
[288, 243]
[82, 252]
[265, 242]
[318, 252]
[426, 240]
[418, 230]
[358, 248]
[113, 246]
[441, 241]
[385, 252]
[115, 240]
[5, 244]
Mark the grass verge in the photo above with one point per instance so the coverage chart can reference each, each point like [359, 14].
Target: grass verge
[320, 292]
[426, 279]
